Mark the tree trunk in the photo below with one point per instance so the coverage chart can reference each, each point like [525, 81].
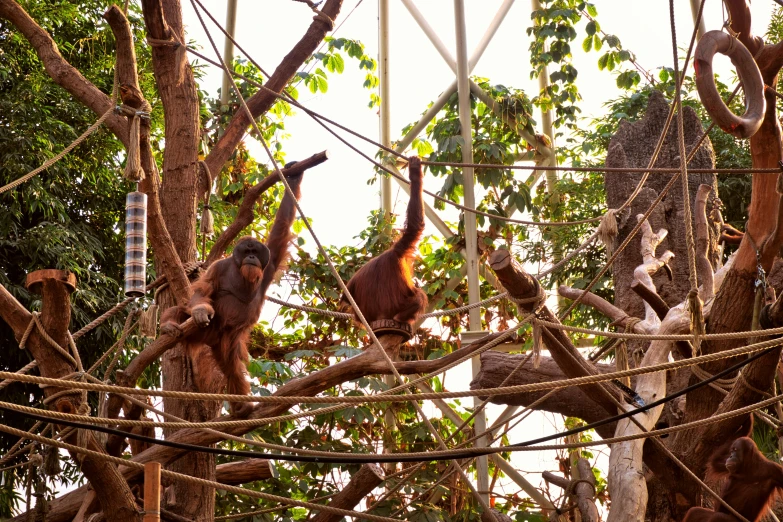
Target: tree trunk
[177, 90]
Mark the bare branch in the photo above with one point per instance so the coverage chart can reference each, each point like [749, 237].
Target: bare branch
[245, 214]
[618, 317]
[58, 68]
[650, 265]
[263, 100]
[704, 268]
[362, 483]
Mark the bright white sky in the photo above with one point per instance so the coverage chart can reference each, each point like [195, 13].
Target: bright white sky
[336, 196]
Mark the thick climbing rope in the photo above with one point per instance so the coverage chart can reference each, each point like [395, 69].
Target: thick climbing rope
[662, 337]
[194, 480]
[23, 370]
[378, 398]
[48, 163]
[159, 283]
[318, 119]
[532, 445]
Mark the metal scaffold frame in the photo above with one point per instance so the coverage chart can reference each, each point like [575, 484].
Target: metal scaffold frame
[462, 67]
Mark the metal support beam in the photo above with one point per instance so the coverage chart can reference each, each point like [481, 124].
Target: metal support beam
[471, 238]
[546, 116]
[383, 73]
[389, 417]
[228, 51]
[489, 34]
[695, 12]
[500, 462]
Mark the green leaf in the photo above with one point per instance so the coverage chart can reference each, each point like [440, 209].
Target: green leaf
[591, 27]
[587, 45]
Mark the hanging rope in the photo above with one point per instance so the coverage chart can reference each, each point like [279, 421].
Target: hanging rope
[695, 304]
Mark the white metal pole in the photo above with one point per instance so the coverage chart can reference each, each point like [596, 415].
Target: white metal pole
[228, 51]
[429, 31]
[385, 123]
[386, 186]
[546, 116]
[471, 245]
[695, 12]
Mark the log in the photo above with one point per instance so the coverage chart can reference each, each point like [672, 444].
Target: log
[650, 265]
[244, 471]
[369, 477]
[571, 401]
[522, 285]
[626, 474]
[651, 298]
[701, 230]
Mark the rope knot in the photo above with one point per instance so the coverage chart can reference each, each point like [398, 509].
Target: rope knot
[35, 460]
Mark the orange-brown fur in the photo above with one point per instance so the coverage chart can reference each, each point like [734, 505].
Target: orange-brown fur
[227, 302]
[384, 288]
[752, 482]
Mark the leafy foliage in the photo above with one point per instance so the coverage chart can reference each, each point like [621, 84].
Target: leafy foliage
[69, 216]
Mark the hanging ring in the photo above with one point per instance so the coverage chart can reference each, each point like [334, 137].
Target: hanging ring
[743, 126]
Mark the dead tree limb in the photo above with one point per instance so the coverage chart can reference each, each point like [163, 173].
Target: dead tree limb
[369, 477]
[55, 288]
[701, 229]
[650, 265]
[244, 471]
[619, 317]
[581, 491]
[652, 298]
[263, 100]
[245, 214]
[571, 402]
[522, 285]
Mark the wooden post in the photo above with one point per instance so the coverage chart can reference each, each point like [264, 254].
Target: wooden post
[152, 492]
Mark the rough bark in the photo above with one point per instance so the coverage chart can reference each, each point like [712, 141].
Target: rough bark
[62, 72]
[522, 285]
[632, 146]
[179, 98]
[627, 483]
[166, 256]
[244, 471]
[362, 483]
[582, 492]
[733, 307]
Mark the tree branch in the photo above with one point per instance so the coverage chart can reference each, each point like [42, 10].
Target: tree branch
[571, 402]
[704, 268]
[619, 317]
[262, 101]
[522, 285]
[244, 471]
[58, 68]
[362, 483]
[246, 213]
[127, 75]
